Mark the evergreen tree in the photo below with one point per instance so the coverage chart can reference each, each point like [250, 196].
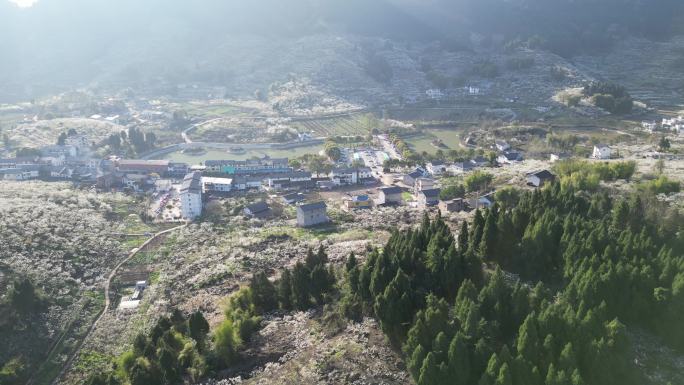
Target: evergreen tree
[459, 360]
[463, 237]
[285, 290]
[415, 361]
[394, 307]
[264, 294]
[198, 327]
[300, 297]
[528, 339]
[430, 373]
[353, 273]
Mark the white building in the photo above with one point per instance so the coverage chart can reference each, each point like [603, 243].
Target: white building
[601, 151]
[649, 126]
[423, 184]
[436, 168]
[20, 173]
[674, 124]
[434, 93]
[350, 176]
[509, 157]
[212, 184]
[191, 196]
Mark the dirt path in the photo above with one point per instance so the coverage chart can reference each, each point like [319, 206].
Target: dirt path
[111, 276]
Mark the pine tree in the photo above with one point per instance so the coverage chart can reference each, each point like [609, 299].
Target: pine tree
[300, 297]
[394, 307]
[567, 360]
[352, 272]
[264, 294]
[319, 282]
[528, 339]
[285, 290]
[459, 360]
[477, 231]
[198, 327]
[504, 377]
[430, 372]
[492, 372]
[463, 237]
[489, 238]
[440, 346]
[415, 362]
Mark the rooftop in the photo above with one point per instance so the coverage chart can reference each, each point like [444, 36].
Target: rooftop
[258, 207]
[214, 180]
[143, 162]
[543, 174]
[391, 190]
[431, 193]
[312, 206]
[192, 183]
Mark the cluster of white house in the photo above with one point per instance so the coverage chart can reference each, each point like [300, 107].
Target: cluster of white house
[65, 161]
[224, 176]
[675, 125]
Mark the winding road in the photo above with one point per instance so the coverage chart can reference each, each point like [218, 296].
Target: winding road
[111, 276]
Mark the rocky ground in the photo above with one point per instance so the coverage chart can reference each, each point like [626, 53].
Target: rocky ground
[45, 132]
[199, 266]
[63, 240]
[302, 349]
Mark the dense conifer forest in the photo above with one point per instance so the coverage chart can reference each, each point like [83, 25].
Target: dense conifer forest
[565, 275]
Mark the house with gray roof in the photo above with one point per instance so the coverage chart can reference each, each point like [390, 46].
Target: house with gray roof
[428, 198]
[390, 195]
[312, 214]
[259, 210]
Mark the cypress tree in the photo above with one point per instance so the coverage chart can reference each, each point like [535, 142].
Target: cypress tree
[285, 290]
[463, 237]
[459, 360]
[300, 287]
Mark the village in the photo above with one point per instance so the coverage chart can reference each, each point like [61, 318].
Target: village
[362, 177]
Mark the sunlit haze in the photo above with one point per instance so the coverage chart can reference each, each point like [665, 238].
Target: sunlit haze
[353, 192]
[24, 3]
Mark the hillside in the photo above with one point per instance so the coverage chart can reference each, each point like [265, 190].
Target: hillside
[242, 47]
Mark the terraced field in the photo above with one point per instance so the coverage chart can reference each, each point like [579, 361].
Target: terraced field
[341, 125]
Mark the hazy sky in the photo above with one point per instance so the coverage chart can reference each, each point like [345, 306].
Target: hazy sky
[23, 3]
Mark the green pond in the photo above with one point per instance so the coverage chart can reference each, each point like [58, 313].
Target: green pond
[190, 158]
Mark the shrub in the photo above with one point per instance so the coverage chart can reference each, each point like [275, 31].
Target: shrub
[478, 180]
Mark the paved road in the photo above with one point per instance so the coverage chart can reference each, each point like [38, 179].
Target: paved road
[184, 134]
[111, 276]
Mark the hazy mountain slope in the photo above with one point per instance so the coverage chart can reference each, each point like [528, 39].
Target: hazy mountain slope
[58, 45]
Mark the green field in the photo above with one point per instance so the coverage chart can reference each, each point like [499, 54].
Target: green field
[423, 142]
[218, 154]
[347, 125]
[216, 110]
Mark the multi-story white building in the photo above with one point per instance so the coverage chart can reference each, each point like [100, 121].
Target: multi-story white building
[218, 185]
[350, 176]
[191, 195]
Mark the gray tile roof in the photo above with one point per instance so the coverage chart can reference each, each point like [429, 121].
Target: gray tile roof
[312, 206]
[391, 190]
[192, 183]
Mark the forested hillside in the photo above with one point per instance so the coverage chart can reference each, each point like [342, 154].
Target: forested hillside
[591, 268]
